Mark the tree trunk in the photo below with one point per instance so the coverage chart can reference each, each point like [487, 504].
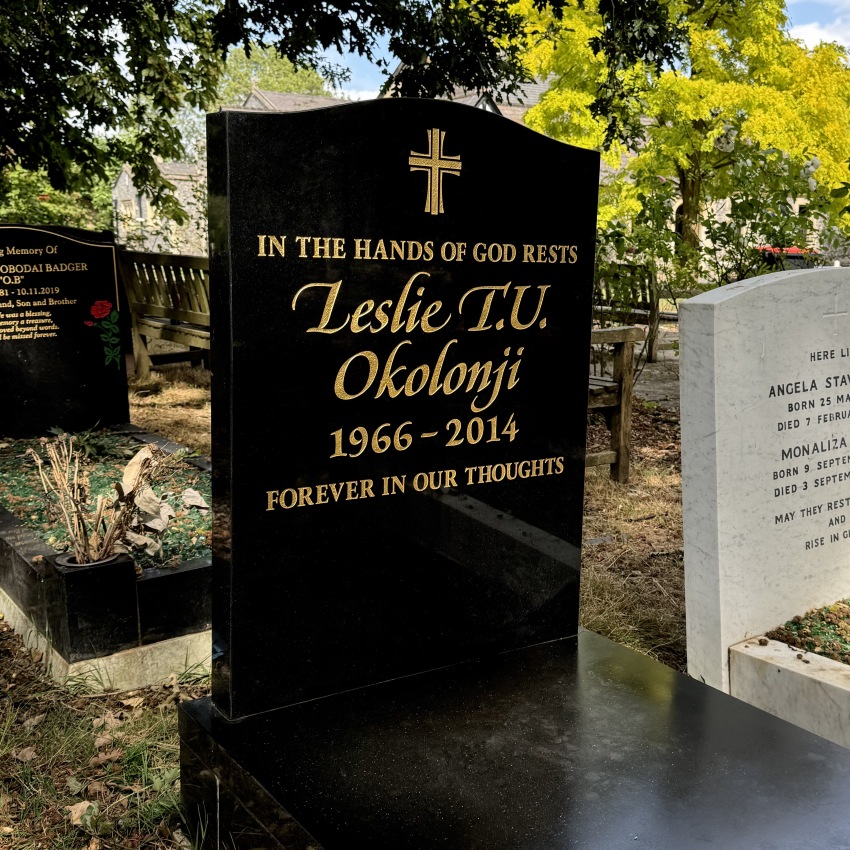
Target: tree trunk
[690, 185]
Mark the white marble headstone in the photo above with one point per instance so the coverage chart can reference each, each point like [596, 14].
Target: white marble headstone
[765, 407]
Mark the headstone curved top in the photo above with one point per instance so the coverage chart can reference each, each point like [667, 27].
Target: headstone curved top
[400, 322]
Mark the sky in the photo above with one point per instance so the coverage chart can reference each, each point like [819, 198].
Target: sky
[811, 21]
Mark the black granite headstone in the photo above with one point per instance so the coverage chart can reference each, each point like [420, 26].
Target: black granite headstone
[400, 325]
[61, 359]
[400, 351]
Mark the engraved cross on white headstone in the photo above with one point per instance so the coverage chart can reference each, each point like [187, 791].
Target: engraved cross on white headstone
[835, 315]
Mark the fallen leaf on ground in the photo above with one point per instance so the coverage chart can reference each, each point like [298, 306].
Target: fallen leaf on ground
[194, 499]
[25, 754]
[133, 789]
[74, 785]
[78, 811]
[134, 702]
[97, 787]
[105, 758]
[108, 721]
[31, 722]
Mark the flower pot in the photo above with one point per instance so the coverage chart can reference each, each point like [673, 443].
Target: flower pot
[90, 610]
[66, 559]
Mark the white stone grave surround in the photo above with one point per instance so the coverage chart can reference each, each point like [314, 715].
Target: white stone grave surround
[765, 415]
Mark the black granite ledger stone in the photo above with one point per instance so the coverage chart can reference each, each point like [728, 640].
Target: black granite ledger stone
[61, 358]
[400, 324]
[579, 743]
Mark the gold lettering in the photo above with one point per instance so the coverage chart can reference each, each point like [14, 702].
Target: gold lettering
[371, 357]
[386, 382]
[434, 387]
[515, 322]
[361, 310]
[397, 323]
[333, 292]
[276, 244]
[430, 310]
[485, 307]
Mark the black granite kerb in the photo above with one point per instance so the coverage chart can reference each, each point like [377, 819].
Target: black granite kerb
[579, 743]
[96, 611]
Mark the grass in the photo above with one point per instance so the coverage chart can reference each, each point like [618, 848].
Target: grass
[175, 403]
[632, 583]
[88, 771]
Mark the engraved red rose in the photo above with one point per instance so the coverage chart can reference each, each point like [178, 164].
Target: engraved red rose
[101, 309]
[106, 321]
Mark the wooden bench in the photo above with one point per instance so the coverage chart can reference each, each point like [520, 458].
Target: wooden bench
[611, 395]
[169, 298]
[623, 295]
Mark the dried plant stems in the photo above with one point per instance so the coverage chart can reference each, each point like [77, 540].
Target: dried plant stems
[98, 535]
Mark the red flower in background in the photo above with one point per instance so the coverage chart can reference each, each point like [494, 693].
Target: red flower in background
[90, 324]
[101, 309]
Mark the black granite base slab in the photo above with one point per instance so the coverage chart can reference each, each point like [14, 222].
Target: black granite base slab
[579, 743]
[96, 611]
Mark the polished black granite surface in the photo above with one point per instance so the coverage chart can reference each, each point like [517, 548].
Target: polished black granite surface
[62, 334]
[578, 743]
[399, 326]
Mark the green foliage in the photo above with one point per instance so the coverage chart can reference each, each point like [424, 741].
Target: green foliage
[761, 210]
[28, 198]
[633, 33]
[244, 69]
[266, 69]
[640, 257]
[741, 79]
[75, 73]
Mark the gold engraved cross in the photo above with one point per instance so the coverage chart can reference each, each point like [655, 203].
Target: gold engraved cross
[436, 163]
